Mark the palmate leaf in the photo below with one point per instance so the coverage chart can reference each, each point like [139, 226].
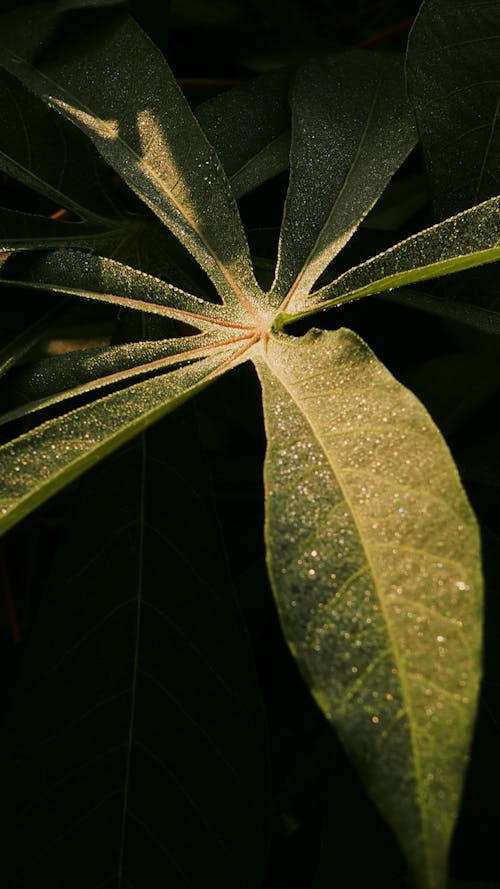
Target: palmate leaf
[39, 463]
[340, 161]
[133, 111]
[135, 753]
[466, 240]
[377, 577]
[453, 75]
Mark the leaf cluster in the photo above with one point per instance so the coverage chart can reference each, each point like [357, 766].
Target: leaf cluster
[138, 269]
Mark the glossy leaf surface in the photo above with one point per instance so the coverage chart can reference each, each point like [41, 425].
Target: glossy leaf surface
[340, 162]
[138, 737]
[453, 74]
[376, 577]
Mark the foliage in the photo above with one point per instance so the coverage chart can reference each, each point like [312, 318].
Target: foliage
[137, 735]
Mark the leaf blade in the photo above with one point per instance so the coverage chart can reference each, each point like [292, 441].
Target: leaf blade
[107, 280]
[39, 463]
[352, 535]
[450, 50]
[469, 239]
[182, 758]
[340, 163]
[249, 127]
[140, 122]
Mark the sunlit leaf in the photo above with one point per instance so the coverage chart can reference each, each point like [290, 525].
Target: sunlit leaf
[376, 576]
[469, 239]
[104, 280]
[121, 93]
[453, 75]
[340, 161]
[39, 463]
[58, 378]
[139, 736]
[249, 126]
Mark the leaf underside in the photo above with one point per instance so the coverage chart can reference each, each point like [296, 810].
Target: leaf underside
[377, 578]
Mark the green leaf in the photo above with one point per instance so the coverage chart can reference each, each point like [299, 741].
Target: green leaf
[28, 231]
[340, 161]
[104, 280]
[39, 463]
[453, 75]
[24, 323]
[377, 577]
[40, 149]
[249, 127]
[60, 377]
[469, 239]
[136, 745]
[478, 317]
[114, 84]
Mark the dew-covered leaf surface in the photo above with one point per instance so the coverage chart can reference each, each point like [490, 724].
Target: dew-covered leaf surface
[351, 129]
[135, 753]
[466, 240]
[39, 463]
[105, 280]
[249, 126]
[453, 75]
[109, 80]
[58, 378]
[373, 553]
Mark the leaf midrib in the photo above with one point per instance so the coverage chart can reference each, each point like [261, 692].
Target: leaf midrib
[418, 772]
[296, 285]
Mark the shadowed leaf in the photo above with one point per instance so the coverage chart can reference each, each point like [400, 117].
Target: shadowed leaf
[136, 746]
[121, 93]
[249, 126]
[453, 74]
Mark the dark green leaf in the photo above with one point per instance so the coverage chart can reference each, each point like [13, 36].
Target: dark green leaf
[40, 149]
[249, 126]
[479, 317]
[27, 231]
[453, 72]
[136, 753]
